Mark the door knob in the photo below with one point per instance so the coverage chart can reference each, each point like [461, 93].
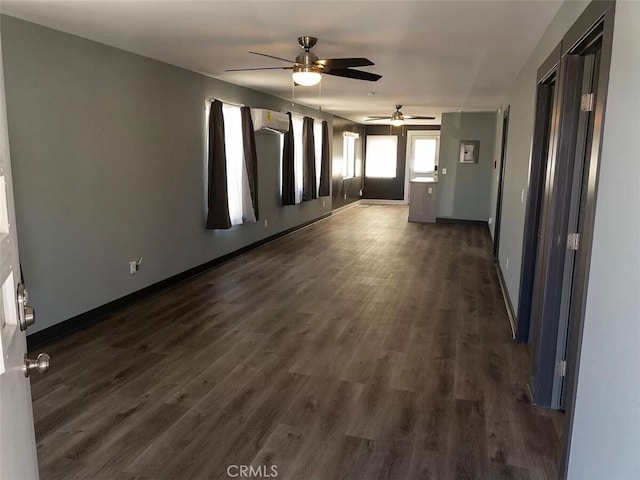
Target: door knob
[40, 364]
[26, 314]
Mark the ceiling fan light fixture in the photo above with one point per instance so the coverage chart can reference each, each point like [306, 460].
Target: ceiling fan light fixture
[397, 120]
[306, 76]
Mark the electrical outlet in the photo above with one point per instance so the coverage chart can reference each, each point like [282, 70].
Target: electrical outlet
[134, 266]
[266, 223]
[507, 264]
[522, 196]
[490, 220]
[345, 196]
[444, 171]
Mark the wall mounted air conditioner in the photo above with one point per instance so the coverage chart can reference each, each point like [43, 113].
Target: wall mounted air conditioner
[269, 121]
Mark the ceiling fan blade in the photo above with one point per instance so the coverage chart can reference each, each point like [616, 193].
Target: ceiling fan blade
[413, 117]
[263, 68]
[330, 63]
[355, 74]
[271, 56]
[370, 118]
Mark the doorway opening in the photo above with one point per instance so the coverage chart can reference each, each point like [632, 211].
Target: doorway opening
[561, 203]
[503, 159]
[423, 150]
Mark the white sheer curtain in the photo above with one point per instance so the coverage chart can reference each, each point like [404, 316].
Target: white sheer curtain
[297, 121]
[235, 160]
[317, 137]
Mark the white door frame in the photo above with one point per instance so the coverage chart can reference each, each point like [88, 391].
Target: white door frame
[409, 155]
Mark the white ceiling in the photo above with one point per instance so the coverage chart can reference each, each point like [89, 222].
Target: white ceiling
[434, 56]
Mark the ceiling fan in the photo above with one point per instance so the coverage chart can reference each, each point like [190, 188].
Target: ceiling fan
[398, 118]
[307, 67]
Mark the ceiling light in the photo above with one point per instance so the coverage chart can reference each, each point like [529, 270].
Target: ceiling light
[306, 76]
[397, 120]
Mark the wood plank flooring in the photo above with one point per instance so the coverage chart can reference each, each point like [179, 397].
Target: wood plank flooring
[361, 347]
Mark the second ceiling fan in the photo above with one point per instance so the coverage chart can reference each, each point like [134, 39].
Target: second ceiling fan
[398, 118]
[307, 67]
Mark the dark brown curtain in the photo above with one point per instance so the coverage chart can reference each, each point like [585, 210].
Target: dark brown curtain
[324, 190]
[217, 199]
[309, 188]
[288, 175]
[250, 156]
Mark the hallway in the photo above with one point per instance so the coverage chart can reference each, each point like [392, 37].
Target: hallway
[360, 347]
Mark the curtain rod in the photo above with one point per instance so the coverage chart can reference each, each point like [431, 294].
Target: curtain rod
[235, 104]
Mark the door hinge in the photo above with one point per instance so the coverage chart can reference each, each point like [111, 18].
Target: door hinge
[561, 368]
[573, 241]
[586, 104]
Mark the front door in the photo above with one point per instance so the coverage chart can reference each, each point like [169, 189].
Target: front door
[17, 439]
[422, 156]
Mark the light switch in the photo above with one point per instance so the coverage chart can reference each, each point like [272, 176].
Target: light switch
[444, 171]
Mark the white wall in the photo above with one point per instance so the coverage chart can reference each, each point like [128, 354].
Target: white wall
[605, 441]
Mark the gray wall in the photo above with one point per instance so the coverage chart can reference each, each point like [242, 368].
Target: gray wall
[108, 155]
[606, 432]
[464, 193]
[605, 441]
[346, 191]
[521, 98]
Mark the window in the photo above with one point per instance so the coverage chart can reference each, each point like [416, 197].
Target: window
[382, 156]
[317, 137]
[230, 168]
[235, 160]
[298, 146]
[297, 121]
[349, 154]
[424, 155]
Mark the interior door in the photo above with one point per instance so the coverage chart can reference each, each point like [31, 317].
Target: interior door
[423, 148]
[565, 225]
[17, 438]
[578, 224]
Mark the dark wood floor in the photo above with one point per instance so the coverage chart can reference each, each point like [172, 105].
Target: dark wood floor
[362, 347]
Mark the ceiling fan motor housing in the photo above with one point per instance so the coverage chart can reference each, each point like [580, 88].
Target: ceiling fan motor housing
[307, 59]
[397, 115]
